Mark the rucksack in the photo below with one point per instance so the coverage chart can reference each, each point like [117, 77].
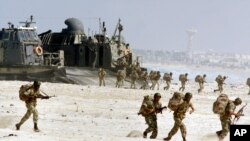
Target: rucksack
[218, 79]
[248, 81]
[198, 78]
[147, 101]
[182, 77]
[220, 104]
[22, 90]
[175, 101]
[167, 77]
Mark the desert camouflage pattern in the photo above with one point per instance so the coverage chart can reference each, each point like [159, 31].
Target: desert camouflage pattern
[101, 75]
[220, 104]
[201, 80]
[31, 105]
[155, 77]
[179, 115]
[151, 120]
[167, 77]
[220, 81]
[175, 101]
[144, 79]
[120, 77]
[134, 77]
[225, 120]
[248, 84]
[183, 79]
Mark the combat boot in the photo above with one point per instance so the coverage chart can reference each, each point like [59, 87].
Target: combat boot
[218, 133]
[36, 128]
[145, 134]
[167, 139]
[184, 139]
[18, 126]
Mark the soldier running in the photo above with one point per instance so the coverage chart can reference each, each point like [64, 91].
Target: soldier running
[134, 76]
[101, 75]
[144, 78]
[179, 115]
[183, 79]
[167, 77]
[248, 84]
[151, 117]
[201, 82]
[225, 118]
[32, 94]
[220, 81]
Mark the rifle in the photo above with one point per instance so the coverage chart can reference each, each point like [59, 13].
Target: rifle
[46, 96]
[240, 112]
[165, 107]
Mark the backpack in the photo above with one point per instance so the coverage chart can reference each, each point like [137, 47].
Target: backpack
[198, 78]
[218, 79]
[22, 90]
[167, 77]
[248, 81]
[175, 101]
[182, 77]
[147, 101]
[220, 104]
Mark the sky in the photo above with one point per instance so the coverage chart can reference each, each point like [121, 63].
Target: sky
[222, 25]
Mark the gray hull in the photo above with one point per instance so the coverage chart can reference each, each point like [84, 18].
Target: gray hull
[31, 73]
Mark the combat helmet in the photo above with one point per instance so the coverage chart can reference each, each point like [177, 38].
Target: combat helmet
[157, 95]
[188, 96]
[36, 84]
[238, 101]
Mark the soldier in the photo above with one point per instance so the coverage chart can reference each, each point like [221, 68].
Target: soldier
[32, 94]
[120, 77]
[155, 80]
[151, 118]
[134, 76]
[201, 82]
[179, 115]
[167, 77]
[225, 118]
[248, 84]
[101, 75]
[183, 79]
[220, 81]
[144, 78]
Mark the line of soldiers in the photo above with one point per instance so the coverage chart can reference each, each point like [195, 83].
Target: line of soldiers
[154, 107]
[154, 77]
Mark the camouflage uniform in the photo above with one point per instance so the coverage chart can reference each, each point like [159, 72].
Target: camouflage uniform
[225, 120]
[220, 84]
[31, 103]
[134, 76]
[201, 83]
[155, 80]
[168, 81]
[248, 83]
[183, 83]
[101, 75]
[179, 115]
[151, 120]
[144, 78]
